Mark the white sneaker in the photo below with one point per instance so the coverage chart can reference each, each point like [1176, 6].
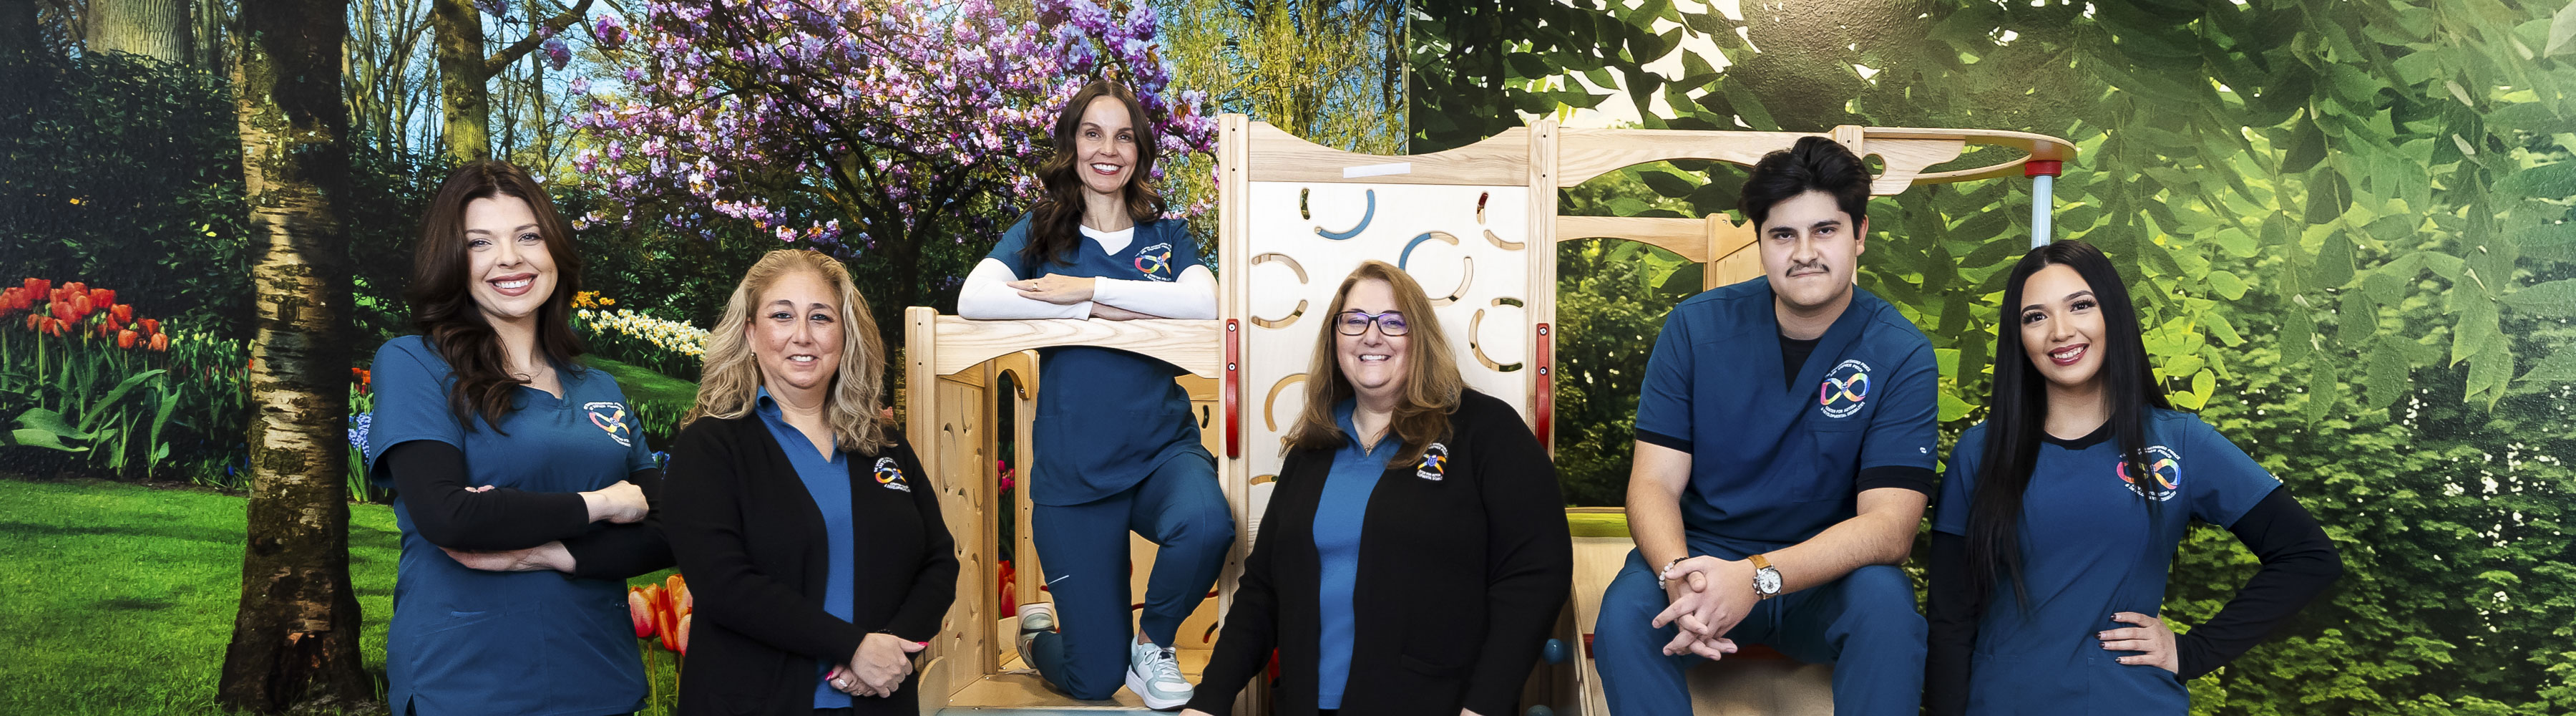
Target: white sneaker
[1153, 673]
[1035, 617]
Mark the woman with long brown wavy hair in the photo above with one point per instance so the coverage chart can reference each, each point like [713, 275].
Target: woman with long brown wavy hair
[521, 480]
[1117, 447]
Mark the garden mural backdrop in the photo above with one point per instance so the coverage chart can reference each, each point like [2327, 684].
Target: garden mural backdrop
[2347, 225]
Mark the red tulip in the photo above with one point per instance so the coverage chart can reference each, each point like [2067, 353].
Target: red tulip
[122, 312]
[61, 310]
[161, 342]
[125, 338]
[152, 325]
[105, 330]
[102, 296]
[670, 626]
[54, 327]
[76, 287]
[81, 305]
[684, 635]
[639, 612]
[37, 286]
[688, 602]
[35, 321]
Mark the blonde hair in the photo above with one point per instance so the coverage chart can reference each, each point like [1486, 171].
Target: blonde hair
[729, 386]
[1432, 383]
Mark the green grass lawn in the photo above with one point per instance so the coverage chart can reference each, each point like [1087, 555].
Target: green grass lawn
[644, 385]
[119, 599]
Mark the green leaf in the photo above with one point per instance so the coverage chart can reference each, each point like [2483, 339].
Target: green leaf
[2547, 181]
[1952, 408]
[2388, 378]
[2554, 242]
[2562, 30]
[2477, 326]
[2328, 196]
[30, 437]
[2491, 371]
[97, 410]
[2559, 367]
[2322, 390]
[2227, 284]
[1667, 184]
[2307, 146]
[2225, 331]
[2332, 268]
[50, 422]
[2554, 298]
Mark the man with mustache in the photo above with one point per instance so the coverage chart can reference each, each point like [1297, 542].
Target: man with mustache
[1784, 456]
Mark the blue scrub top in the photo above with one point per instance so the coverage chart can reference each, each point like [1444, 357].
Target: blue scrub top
[2090, 547]
[466, 641]
[827, 480]
[1106, 418]
[1769, 466]
[1339, 517]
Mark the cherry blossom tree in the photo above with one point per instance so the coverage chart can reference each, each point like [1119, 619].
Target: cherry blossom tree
[881, 132]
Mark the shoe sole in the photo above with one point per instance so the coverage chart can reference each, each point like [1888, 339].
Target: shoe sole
[1137, 685]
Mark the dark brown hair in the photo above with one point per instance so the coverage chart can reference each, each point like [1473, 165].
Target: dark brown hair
[1432, 384]
[1055, 225]
[442, 303]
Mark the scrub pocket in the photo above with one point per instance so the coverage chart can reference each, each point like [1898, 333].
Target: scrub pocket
[1831, 461]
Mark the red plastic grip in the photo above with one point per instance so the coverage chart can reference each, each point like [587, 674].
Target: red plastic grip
[2036, 167]
[1230, 389]
[1545, 406]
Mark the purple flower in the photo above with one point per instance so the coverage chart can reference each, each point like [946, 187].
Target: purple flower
[557, 54]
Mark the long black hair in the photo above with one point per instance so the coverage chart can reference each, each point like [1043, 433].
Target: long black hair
[1055, 224]
[2017, 410]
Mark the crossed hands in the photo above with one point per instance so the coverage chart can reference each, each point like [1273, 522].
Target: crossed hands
[1709, 596]
[878, 668]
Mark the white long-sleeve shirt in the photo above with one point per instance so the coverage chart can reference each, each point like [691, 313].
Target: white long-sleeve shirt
[987, 294]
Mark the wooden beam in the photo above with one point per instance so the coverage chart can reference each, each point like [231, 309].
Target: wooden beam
[1195, 346]
[1275, 155]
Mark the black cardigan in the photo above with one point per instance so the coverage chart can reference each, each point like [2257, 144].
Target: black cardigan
[1460, 579]
[749, 539]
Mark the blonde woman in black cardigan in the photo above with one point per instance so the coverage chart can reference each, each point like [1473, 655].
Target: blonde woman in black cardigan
[1415, 552]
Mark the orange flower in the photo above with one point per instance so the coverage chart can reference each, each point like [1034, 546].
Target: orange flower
[152, 325]
[102, 296]
[75, 287]
[637, 610]
[54, 327]
[35, 321]
[674, 585]
[37, 286]
[105, 330]
[688, 601]
[62, 310]
[81, 306]
[670, 626]
[125, 338]
[122, 312]
[684, 635]
[161, 342]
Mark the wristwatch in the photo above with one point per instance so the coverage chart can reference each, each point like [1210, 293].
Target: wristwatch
[1766, 580]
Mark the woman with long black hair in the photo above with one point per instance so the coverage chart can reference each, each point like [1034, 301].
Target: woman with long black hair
[2060, 514]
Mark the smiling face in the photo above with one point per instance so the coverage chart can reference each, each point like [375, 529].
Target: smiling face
[795, 334]
[510, 274]
[1810, 249]
[1104, 146]
[2062, 326]
[1372, 361]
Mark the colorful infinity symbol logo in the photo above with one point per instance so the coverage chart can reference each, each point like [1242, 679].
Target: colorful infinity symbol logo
[1853, 389]
[2158, 469]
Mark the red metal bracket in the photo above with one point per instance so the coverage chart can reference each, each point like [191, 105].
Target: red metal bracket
[1231, 389]
[1545, 406]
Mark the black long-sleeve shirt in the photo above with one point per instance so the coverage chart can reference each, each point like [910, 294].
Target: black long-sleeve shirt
[432, 479]
[2299, 563]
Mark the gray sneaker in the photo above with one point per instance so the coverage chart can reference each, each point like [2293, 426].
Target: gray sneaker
[1035, 617]
[1153, 673]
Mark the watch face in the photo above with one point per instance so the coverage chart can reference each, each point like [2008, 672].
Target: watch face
[1767, 581]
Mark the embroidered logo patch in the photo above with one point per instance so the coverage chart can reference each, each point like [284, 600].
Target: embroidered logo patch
[890, 475]
[1843, 390]
[1435, 462]
[2163, 478]
[1155, 262]
[610, 416]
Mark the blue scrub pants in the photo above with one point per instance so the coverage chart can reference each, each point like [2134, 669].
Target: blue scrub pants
[1083, 550]
[1864, 624]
